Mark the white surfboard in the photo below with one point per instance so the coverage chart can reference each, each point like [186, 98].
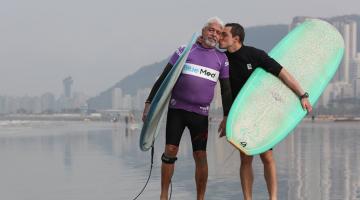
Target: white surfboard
[161, 99]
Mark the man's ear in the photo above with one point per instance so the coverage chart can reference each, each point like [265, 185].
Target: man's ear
[200, 39]
[237, 38]
[203, 30]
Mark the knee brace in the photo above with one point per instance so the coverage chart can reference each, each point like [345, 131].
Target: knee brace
[168, 160]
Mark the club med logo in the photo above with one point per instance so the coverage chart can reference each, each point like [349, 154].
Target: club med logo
[200, 71]
[207, 73]
[189, 69]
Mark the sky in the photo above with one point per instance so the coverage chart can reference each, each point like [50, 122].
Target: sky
[99, 42]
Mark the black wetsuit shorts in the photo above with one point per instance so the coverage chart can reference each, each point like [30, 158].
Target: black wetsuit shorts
[197, 124]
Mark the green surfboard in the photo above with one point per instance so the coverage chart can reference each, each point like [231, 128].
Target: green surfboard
[265, 111]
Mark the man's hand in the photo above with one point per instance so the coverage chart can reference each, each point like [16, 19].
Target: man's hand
[222, 127]
[146, 111]
[200, 39]
[306, 104]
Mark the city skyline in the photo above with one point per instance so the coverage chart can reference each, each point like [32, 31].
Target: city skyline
[345, 84]
[348, 60]
[99, 43]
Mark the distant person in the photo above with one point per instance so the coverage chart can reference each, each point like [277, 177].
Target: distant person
[243, 61]
[190, 101]
[126, 120]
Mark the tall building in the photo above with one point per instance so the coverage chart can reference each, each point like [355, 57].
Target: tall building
[2, 104]
[36, 106]
[127, 102]
[356, 75]
[346, 82]
[348, 30]
[357, 88]
[353, 39]
[79, 99]
[117, 98]
[140, 98]
[326, 96]
[67, 82]
[26, 104]
[48, 102]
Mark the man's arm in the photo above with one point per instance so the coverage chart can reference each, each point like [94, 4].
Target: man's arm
[226, 97]
[155, 88]
[290, 81]
[272, 66]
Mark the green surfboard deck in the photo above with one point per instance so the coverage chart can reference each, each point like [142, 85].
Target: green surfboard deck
[265, 111]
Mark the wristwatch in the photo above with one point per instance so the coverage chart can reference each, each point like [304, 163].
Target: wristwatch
[305, 95]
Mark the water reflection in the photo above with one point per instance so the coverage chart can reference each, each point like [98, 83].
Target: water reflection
[104, 161]
[320, 161]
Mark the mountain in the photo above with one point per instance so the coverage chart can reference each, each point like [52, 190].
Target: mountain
[142, 78]
[353, 18]
[263, 37]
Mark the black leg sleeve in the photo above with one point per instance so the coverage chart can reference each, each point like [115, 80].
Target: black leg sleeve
[226, 95]
[158, 83]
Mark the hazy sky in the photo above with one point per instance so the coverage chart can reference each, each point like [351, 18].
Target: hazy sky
[98, 42]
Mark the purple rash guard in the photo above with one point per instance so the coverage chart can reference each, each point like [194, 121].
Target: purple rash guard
[194, 89]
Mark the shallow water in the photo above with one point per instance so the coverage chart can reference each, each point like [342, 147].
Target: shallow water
[100, 160]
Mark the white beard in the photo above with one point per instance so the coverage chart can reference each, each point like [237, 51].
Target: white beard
[210, 42]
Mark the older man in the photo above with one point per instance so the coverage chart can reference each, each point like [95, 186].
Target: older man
[190, 101]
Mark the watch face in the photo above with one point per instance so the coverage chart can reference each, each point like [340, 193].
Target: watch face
[305, 95]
